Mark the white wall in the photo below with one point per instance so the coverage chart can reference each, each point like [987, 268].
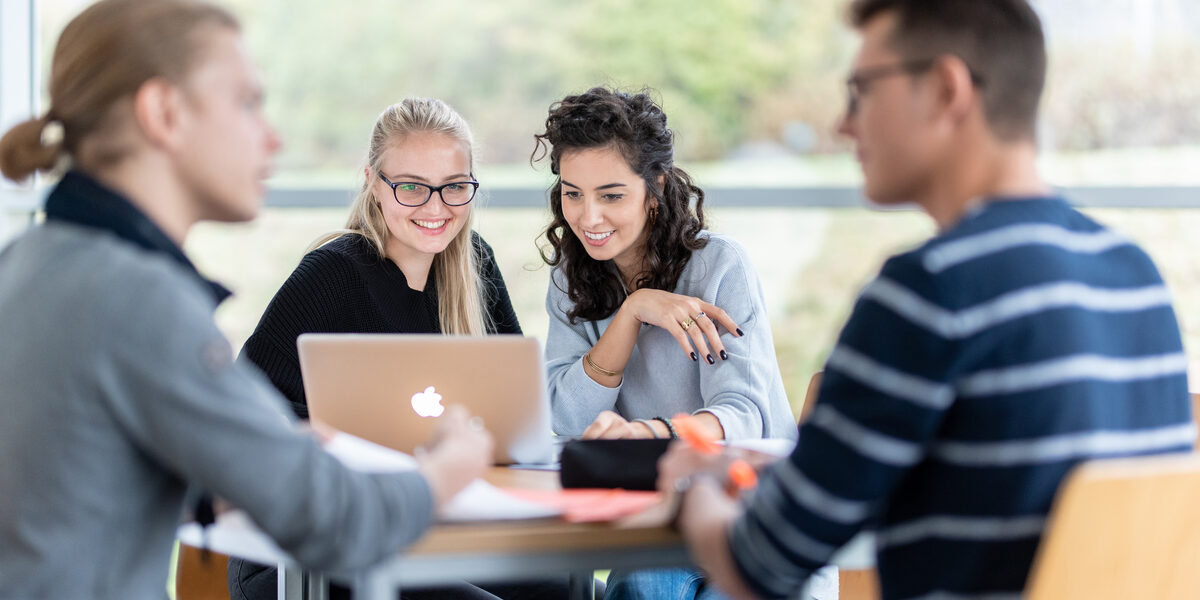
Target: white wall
[18, 99]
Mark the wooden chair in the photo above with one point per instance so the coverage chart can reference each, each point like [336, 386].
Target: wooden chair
[1123, 528]
[198, 577]
[858, 584]
[810, 397]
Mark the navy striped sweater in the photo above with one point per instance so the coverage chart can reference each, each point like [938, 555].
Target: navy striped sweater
[974, 372]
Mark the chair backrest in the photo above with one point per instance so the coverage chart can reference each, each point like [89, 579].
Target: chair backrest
[200, 575]
[1123, 528]
[810, 397]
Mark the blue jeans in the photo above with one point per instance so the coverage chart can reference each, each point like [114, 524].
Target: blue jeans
[689, 584]
[660, 584]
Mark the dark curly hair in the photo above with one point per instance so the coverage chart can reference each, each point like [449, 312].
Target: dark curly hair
[636, 127]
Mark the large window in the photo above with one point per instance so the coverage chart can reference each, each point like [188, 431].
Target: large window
[18, 84]
[753, 89]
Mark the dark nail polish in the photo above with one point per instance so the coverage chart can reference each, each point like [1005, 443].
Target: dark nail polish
[694, 359]
[739, 332]
[724, 355]
[711, 360]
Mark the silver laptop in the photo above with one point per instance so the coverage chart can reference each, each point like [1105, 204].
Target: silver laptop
[391, 388]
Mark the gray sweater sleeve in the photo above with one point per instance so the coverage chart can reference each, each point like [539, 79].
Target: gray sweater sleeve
[170, 381]
[575, 398]
[746, 394]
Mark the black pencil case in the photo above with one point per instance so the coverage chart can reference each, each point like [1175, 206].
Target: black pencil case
[626, 464]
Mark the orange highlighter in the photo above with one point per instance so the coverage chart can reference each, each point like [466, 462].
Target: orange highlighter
[741, 474]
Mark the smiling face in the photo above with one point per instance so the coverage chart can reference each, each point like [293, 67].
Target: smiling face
[430, 158]
[895, 143]
[228, 147]
[605, 204]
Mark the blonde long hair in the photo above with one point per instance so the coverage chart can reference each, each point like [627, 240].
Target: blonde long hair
[461, 296]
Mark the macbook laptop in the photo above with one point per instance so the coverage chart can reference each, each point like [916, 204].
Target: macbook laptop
[391, 388]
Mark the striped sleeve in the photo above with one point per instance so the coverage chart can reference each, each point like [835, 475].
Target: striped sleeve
[883, 397]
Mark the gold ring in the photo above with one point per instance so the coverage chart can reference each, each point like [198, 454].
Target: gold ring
[688, 323]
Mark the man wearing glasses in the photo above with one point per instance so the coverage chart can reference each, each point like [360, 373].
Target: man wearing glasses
[976, 370]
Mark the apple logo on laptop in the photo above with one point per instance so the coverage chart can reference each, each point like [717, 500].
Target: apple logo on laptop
[428, 403]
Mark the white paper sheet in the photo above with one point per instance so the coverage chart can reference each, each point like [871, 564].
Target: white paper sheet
[362, 455]
[479, 501]
[779, 447]
[482, 501]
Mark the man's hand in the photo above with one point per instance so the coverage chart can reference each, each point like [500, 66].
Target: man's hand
[461, 451]
[705, 517]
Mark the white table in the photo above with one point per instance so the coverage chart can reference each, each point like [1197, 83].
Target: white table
[485, 552]
[482, 552]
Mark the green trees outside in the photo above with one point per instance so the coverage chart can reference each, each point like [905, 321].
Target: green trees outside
[726, 70]
[767, 73]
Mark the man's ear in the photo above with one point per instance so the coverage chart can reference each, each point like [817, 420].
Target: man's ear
[158, 109]
[957, 94]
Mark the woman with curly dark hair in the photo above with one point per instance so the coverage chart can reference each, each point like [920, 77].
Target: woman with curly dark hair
[629, 249]
[650, 315]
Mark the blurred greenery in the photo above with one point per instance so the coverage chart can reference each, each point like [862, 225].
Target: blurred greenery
[749, 85]
[721, 69]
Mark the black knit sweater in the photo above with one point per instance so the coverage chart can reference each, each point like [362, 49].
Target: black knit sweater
[346, 287]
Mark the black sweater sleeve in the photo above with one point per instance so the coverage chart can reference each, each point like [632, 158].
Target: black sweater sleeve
[500, 308]
[313, 300]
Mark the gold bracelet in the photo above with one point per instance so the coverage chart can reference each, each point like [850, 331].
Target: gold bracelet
[587, 358]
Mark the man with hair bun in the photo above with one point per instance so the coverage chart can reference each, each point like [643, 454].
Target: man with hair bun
[976, 370]
[117, 390]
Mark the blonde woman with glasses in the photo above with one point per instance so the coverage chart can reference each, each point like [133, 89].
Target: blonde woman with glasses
[407, 260]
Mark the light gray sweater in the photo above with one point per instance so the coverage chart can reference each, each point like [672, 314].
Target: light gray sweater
[745, 392]
[117, 390]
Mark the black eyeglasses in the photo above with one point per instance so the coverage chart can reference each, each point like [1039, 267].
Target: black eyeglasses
[413, 193]
[856, 84]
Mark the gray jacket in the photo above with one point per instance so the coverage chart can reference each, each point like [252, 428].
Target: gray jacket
[745, 393]
[117, 390]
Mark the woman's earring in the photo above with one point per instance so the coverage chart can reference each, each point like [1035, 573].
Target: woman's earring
[653, 214]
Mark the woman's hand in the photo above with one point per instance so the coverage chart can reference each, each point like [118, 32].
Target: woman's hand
[460, 452]
[611, 426]
[692, 321]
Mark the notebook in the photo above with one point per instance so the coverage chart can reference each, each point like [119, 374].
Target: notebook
[391, 388]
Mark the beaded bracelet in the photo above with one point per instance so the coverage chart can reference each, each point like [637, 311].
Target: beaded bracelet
[670, 427]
